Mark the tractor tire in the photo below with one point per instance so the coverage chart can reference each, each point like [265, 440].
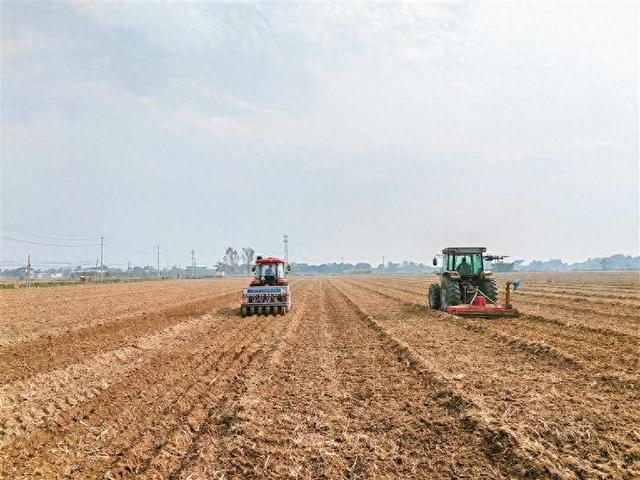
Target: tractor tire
[434, 296]
[243, 311]
[283, 310]
[449, 293]
[489, 288]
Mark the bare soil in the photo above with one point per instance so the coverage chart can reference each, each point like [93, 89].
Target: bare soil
[359, 380]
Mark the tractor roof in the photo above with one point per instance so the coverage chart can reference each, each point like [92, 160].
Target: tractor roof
[267, 260]
[463, 250]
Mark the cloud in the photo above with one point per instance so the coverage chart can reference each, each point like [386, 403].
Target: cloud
[378, 118]
[18, 45]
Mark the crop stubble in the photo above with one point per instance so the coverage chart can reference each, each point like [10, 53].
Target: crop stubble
[359, 380]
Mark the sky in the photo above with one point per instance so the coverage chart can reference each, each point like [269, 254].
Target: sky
[361, 130]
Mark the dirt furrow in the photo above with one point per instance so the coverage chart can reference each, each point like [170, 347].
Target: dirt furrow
[26, 359]
[528, 398]
[549, 340]
[213, 421]
[148, 407]
[625, 328]
[629, 291]
[589, 296]
[338, 403]
[30, 315]
[556, 339]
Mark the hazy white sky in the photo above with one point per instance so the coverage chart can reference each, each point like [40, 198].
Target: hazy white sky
[361, 130]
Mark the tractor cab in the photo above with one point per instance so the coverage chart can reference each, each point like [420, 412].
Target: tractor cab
[463, 261]
[269, 271]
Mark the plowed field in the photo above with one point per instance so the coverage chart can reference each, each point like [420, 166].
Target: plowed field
[359, 380]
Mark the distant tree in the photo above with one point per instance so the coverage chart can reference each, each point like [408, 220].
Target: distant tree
[247, 257]
[231, 259]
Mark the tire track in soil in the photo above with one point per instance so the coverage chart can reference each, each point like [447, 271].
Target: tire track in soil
[96, 433]
[87, 429]
[587, 298]
[604, 349]
[27, 404]
[339, 403]
[554, 413]
[213, 428]
[217, 439]
[50, 312]
[629, 337]
[26, 359]
[586, 292]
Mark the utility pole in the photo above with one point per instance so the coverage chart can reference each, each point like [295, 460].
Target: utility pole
[193, 264]
[158, 271]
[286, 248]
[101, 257]
[28, 272]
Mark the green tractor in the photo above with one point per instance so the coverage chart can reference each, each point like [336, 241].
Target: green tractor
[465, 287]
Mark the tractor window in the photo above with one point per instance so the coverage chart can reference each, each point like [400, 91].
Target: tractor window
[271, 269]
[267, 270]
[470, 264]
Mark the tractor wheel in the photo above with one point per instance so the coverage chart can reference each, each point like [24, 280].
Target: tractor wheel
[283, 310]
[489, 288]
[450, 292]
[243, 311]
[434, 296]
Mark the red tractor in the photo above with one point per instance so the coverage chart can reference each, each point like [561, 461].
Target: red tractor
[268, 293]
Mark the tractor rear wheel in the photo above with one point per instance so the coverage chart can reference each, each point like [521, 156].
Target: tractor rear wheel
[450, 292]
[489, 288]
[434, 296]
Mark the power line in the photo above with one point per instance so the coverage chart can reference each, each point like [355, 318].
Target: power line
[31, 242]
[101, 256]
[131, 252]
[31, 231]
